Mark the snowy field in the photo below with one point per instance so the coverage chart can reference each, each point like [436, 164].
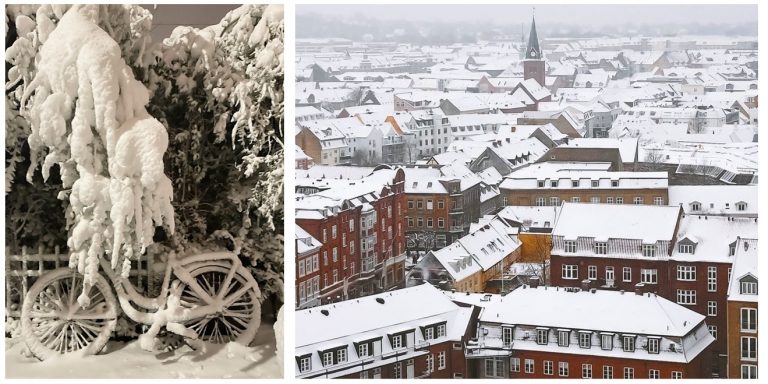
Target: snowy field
[120, 360]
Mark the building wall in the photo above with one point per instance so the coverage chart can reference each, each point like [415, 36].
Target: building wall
[536, 247]
[454, 363]
[734, 338]
[309, 144]
[415, 213]
[527, 197]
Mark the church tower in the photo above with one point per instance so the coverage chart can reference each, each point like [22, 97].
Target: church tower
[533, 65]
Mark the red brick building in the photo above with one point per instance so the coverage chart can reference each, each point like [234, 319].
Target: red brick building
[684, 258]
[416, 332]
[742, 312]
[307, 269]
[360, 226]
[554, 332]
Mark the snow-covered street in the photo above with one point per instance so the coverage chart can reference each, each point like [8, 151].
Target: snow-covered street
[120, 360]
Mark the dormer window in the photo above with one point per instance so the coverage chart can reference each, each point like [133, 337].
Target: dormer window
[606, 341]
[327, 358]
[542, 336]
[748, 287]
[305, 363]
[541, 183]
[574, 183]
[553, 183]
[506, 336]
[563, 337]
[601, 248]
[695, 207]
[685, 248]
[570, 246]
[585, 339]
[649, 250]
[653, 345]
[628, 343]
[595, 183]
[397, 341]
[741, 206]
[614, 183]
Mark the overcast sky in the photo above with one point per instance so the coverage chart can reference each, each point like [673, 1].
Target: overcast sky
[570, 14]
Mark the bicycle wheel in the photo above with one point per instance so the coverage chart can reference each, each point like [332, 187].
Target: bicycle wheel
[53, 323]
[240, 298]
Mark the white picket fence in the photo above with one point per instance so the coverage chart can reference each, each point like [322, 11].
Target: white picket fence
[21, 271]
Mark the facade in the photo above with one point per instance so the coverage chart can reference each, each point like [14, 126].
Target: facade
[555, 332]
[360, 226]
[469, 263]
[324, 144]
[742, 312]
[545, 184]
[415, 332]
[307, 269]
[683, 258]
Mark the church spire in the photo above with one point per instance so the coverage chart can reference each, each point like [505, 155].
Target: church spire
[533, 52]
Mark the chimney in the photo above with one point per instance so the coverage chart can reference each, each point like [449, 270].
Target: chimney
[639, 288]
[534, 282]
[585, 284]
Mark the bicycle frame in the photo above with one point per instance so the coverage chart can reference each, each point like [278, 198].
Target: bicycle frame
[180, 269]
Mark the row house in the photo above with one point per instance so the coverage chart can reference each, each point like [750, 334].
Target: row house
[307, 269]
[441, 204]
[410, 333]
[324, 144]
[469, 263]
[683, 258]
[742, 312]
[545, 185]
[567, 333]
[360, 226]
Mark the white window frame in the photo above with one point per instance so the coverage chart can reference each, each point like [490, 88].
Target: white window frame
[751, 326]
[601, 248]
[529, 368]
[626, 274]
[562, 369]
[748, 353]
[586, 371]
[585, 339]
[648, 250]
[549, 367]
[686, 296]
[629, 373]
[592, 272]
[711, 279]
[570, 271]
[685, 248]
[649, 276]
[441, 361]
[569, 246]
[514, 364]
[607, 372]
[563, 338]
[654, 374]
[749, 371]
[711, 308]
[654, 345]
[305, 364]
[677, 374]
[686, 273]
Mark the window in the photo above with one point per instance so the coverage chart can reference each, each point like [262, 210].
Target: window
[686, 273]
[614, 183]
[685, 248]
[440, 222]
[441, 330]
[695, 207]
[609, 200]
[749, 319]
[562, 368]
[333, 231]
[440, 204]
[619, 200]
[540, 202]
[570, 246]
[628, 343]
[548, 367]
[506, 336]
[305, 364]
[658, 200]
[585, 339]
[553, 183]
[397, 342]
[601, 248]
[575, 199]
[563, 338]
[410, 204]
[595, 183]
[711, 279]
[712, 330]
[441, 360]
[541, 183]
[429, 333]
[741, 206]
[748, 288]
[410, 222]
[677, 375]
[514, 364]
[594, 200]
[711, 308]
[607, 372]
[637, 200]
[362, 350]
[301, 268]
[592, 272]
[397, 371]
[429, 222]
[570, 272]
[419, 222]
[554, 201]
[629, 373]
[586, 371]
[606, 341]
[654, 374]
[364, 374]
[649, 250]
[649, 276]
[542, 336]
[327, 358]
[528, 365]
[626, 274]
[341, 355]
[419, 204]
[575, 183]
[335, 254]
[748, 371]
[429, 204]
[686, 296]
[653, 344]
[430, 363]
[325, 235]
[609, 275]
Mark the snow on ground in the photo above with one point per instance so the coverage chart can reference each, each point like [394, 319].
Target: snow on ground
[121, 360]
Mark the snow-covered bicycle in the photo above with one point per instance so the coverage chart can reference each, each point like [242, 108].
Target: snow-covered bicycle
[210, 297]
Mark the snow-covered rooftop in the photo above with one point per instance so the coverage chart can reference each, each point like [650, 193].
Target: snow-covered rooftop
[651, 223]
